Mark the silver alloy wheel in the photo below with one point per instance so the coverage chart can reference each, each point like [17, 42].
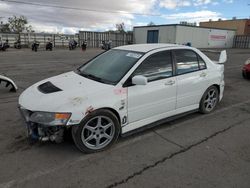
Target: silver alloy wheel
[98, 132]
[211, 100]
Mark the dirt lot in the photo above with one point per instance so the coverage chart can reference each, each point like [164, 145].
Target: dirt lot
[195, 151]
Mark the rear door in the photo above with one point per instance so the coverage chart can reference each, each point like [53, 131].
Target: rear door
[159, 95]
[191, 77]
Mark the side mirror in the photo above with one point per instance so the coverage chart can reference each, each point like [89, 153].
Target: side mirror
[139, 80]
[223, 57]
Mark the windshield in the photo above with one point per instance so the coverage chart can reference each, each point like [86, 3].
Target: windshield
[111, 66]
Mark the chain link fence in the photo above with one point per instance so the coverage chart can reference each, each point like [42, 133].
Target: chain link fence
[93, 39]
[27, 39]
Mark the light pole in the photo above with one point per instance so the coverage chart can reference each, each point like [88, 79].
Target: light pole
[1, 23]
[248, 5]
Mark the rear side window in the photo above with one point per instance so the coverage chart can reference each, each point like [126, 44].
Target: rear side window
[202, 63]
[186, 61]
[157, 66]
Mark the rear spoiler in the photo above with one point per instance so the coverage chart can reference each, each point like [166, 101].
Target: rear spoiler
[223, 57]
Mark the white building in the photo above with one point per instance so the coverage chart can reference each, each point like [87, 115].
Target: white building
[199, 37]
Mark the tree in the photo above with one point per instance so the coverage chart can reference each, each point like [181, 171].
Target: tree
[151, 23]
[120, 27]
[4, 28]
[18, 24]
[29, 29]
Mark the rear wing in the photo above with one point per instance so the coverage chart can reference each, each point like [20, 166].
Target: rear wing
[223, 57]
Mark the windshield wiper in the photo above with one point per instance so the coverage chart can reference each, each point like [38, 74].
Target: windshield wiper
[93, 77]
[78, 70]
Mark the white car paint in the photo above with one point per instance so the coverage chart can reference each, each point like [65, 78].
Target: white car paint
[4, 78]
[136, 106]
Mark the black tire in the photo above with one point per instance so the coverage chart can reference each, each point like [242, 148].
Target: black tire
[207, 101]
[244, 75]
[78, 132]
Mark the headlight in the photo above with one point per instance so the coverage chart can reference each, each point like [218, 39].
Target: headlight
[49, 118]
[247, 62]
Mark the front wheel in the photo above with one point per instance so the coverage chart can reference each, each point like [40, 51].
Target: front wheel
[209, 100]
[98, 131]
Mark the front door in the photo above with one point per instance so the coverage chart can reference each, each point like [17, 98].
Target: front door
[159, 95]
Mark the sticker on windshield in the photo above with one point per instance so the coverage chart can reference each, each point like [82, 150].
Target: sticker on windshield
[133, 55]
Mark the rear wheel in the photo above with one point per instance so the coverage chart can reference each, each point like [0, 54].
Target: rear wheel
[98, 131]
[209, 100]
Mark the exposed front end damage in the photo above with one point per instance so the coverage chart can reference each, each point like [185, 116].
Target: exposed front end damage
[53, 106]
[37, 132]
[42, 132]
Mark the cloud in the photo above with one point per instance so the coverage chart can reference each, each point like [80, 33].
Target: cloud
[172, 4]
[102, 18]
[228, 1]
[201, 2]
[192, 17]
[4, 6]
[61, 20]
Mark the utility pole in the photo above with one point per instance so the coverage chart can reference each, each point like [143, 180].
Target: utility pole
[1, 23]
[248, 5]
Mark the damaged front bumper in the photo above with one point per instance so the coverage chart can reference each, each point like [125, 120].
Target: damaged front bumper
[42, 132]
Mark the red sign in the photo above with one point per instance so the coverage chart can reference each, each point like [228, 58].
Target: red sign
[218, 37]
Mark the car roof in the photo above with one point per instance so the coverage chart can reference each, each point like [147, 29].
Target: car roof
[147, 47]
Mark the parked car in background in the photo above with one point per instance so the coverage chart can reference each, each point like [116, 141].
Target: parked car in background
[121, 90]
[246, 69]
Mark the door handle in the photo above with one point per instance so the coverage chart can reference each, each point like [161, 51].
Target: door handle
[170, 82]
[203, 74]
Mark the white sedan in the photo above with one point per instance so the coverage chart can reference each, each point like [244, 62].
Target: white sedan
[121, 90]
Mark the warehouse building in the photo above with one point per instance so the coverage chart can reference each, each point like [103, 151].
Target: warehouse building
[242, 26]
[199, 37]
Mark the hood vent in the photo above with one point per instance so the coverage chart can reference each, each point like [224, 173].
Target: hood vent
[48, 87]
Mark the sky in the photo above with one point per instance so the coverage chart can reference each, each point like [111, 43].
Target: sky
[70, 16]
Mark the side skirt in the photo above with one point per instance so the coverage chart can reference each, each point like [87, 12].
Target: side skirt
[159, 122]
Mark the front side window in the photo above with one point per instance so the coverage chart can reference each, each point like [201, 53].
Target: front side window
[186, 61]
[157, 66]
[111, 66]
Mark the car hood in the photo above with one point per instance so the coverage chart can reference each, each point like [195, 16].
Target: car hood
[60, 93]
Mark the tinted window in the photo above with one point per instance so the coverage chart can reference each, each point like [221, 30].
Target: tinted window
[202, 63]
[186, 61]
[157, 66]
